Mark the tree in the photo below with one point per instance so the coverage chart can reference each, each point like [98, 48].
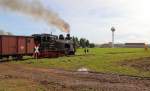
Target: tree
[76, 42]
[83, 42]
[87, 43]
[92, 45]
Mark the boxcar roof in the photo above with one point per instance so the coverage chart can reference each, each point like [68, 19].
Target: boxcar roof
[16, 36]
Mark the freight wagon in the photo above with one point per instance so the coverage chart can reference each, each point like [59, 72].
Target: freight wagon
[16, 46]
[48, 46]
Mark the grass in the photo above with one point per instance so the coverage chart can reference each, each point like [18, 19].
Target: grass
[99, 59]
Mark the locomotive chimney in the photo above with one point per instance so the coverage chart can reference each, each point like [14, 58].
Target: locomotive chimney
[68, 36]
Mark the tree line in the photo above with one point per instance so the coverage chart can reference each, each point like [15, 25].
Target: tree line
[83, 43]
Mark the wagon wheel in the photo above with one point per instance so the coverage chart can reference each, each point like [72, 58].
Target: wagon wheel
[1, 58]
[17, 57]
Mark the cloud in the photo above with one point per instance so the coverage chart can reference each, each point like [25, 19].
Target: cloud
[130, 17]
[94, 18]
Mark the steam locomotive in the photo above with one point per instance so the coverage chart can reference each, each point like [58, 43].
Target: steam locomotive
[48, 46]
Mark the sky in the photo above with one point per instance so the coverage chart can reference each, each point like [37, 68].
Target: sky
[91, 19]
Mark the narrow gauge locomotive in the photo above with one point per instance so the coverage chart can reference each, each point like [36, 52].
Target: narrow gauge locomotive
[49, 46]
[54, 46]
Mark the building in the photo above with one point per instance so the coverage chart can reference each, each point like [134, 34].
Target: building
[106, 45]
[134, 45]
[109, 45]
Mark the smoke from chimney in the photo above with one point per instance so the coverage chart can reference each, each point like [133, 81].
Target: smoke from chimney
[36, 10]
[2, 32]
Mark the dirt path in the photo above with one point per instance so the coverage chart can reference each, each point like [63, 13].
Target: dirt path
[60, 80]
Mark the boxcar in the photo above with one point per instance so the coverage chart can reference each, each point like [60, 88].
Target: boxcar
[16, 46]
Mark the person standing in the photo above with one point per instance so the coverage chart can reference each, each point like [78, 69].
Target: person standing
[85, 50]
[146, 47]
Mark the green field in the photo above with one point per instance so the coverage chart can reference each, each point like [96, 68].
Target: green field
[105, 60]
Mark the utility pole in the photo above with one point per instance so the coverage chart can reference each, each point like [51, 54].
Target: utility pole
[113, 30]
